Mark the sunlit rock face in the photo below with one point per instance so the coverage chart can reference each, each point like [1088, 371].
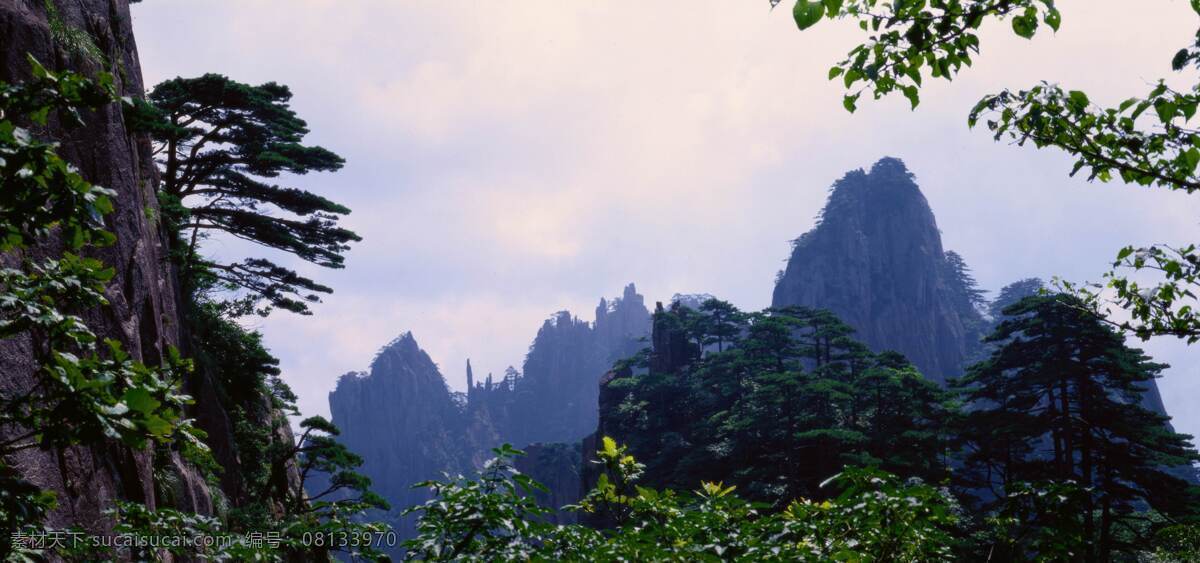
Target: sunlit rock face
[876, 260]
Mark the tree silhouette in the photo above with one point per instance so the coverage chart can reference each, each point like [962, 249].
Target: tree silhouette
[219, 145]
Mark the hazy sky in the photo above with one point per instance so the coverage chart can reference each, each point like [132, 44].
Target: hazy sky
[510, 159]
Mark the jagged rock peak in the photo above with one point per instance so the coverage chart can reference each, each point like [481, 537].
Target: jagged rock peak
[404, 421]
[408, 426]
[888, 184]
[630, 299]
[876, 259]
[401, 360]
[405, 343]
[403, 347]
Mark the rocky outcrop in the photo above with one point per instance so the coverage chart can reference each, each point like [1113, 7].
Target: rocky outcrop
[670, 347]
[670, 351]
[554, 399]
[145, 304]
[401, 419]
[876, 260]
[408, 426]
[143, 311]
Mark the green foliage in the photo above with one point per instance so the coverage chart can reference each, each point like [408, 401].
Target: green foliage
[1166, 307]
[1059, 401]
[492, 518]
[83, 390]
[41, 191]
[1129, 141]
[219, 143]
[74, 40]
[87, 390]
[269, 540]
[910, 39]
[1012, 293]
[964, 286]
[1054, 453]
[317, 451]
[274, 473]
[1177, 544]
[23, 506]
[1043, 518]
[789, 402]
[719, 322]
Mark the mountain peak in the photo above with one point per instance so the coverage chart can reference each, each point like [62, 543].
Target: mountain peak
[876, 260]
[890, 165]
[861, 196]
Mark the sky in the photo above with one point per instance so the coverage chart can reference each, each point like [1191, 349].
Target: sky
[510, 159]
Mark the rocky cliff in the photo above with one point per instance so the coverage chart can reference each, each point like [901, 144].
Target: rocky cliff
[408, 426]
[401, 419]
[145, 311]
[89, 36]
[876, 260]
[555, 397]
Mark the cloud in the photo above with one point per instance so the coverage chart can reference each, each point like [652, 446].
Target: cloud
[510, 159]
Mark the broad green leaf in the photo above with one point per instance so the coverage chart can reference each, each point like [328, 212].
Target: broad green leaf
[807, 13]
[140, 400]
[1025, 25]
[850, 103]
[1053, 19]
[1078, 99]
[158, 426]
[912, 94]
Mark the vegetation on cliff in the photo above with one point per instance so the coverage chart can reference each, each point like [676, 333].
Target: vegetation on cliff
[1042, 451]
[219, 143]
[787, 402]
[86, 391]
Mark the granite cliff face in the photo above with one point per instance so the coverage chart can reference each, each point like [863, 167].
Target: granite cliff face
[144, 302]
[145, 311]
[409, 426]
[876, 260]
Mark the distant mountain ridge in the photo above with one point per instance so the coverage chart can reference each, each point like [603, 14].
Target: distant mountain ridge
[409, 426]
[875, 259]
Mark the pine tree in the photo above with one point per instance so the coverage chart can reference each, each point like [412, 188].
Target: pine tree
[219, 144]
[1060, 400]
[1012, 293]
[721, 323]
[964, 286]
